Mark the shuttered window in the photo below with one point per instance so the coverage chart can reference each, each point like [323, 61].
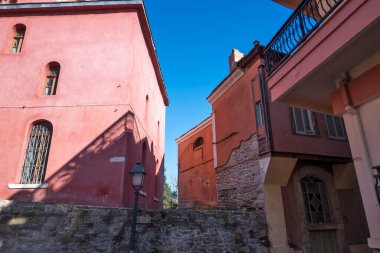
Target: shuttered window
[303, 121]
[37, 153]
[335, 127]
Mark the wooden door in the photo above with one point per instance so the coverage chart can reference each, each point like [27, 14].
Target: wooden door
[323, 241]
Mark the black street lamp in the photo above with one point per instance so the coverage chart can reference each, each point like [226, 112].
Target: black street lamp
[137, 173]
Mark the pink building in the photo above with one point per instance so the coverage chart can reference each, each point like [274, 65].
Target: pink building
[326, 57]
[82, 100]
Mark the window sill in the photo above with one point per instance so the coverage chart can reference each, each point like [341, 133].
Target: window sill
[28, 186]
[337, 139]
[314, 135]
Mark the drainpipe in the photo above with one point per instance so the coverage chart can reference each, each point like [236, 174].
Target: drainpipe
[266, 110]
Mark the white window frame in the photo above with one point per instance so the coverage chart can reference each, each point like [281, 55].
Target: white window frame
[259, 113]
[308, 118]
[336, 136]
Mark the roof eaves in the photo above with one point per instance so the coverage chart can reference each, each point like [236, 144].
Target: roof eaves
[138, 4]
[194, 129]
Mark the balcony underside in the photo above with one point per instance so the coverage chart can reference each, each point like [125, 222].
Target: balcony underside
[346, 44]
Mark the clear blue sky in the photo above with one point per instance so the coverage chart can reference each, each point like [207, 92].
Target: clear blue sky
[193, 40]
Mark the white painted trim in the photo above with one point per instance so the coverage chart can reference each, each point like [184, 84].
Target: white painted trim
[195, 130]
[225, 85]
[142, 193]
[28, 186]
[117, 159]
[214, 147]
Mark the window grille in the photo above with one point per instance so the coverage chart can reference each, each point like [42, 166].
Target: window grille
[37, 153]
[18, 38]
[259, 114]
[303, 121]
[315, 200]
[52, 79]
[335, 127]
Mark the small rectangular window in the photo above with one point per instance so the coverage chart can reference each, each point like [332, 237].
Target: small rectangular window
[303, 121]
[18, 39]
[335, 127]
[52, 79]
[259, 114]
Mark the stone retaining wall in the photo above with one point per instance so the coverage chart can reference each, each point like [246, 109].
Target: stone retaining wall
[36, 227]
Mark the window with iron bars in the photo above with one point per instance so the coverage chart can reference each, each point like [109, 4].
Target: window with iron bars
[315, 200]
[37, 153]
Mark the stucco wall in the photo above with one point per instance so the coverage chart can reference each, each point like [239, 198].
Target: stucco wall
[235, 113]
[33, 227]
[106, 74]
[196, 174]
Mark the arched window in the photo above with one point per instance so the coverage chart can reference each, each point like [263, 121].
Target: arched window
[37, 153]
[52, 78]
[315, 200]
[18, 38]
[198, 142]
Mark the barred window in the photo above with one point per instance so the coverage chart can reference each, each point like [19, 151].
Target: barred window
[37, 153]
[52, 78]
[335, 127]
[315, 200]
[18, 38]
[303, 121]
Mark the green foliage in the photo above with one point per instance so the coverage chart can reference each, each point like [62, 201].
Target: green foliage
[170, 196]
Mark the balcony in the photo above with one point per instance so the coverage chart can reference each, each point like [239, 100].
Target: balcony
[319, 42]
[308, 16]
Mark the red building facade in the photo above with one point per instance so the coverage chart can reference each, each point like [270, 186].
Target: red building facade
[82, 101]
[289, 164]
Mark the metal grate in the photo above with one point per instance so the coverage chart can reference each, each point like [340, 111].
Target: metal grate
[37, 154]
[315, 200]
[308, 16]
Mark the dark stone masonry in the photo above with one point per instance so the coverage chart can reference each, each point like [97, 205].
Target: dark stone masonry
[239, 183]
[36, 227]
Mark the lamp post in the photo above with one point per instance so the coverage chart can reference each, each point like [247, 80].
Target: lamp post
[137, 174]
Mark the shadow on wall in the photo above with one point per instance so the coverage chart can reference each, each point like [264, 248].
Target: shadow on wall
[98, 174]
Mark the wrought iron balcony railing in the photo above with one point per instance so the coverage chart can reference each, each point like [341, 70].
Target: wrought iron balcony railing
[308, 16]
